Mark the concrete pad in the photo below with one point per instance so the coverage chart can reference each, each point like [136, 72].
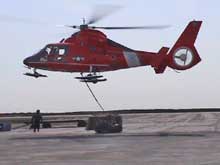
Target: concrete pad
[155, 140]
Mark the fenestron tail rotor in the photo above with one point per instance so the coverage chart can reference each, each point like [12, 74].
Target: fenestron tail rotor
[183, 56]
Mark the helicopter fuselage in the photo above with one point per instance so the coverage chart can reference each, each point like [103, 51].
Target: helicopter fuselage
[91, 51]
[87, 51]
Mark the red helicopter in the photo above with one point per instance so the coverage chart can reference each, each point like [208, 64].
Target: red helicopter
[90, 51]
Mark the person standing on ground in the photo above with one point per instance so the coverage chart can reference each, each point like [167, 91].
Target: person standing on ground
[36, 120]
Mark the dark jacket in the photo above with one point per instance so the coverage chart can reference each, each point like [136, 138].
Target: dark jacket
[36, 118]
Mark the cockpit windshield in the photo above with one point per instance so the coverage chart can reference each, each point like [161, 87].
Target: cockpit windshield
[56, 50]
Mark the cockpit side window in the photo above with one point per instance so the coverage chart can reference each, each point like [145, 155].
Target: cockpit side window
[48, 50]
[56, 50]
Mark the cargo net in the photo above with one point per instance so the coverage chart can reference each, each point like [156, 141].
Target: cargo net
[97, 101]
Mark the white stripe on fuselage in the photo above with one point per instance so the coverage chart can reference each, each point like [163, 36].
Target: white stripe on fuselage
[74, 64]
[131, 59]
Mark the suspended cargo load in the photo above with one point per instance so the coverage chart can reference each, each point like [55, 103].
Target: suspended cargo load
[105, 124]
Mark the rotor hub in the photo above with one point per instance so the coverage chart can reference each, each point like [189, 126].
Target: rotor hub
[83, 26]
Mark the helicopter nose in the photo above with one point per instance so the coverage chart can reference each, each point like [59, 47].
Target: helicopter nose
[26, 61]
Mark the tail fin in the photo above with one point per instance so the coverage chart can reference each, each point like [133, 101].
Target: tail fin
[184, 55]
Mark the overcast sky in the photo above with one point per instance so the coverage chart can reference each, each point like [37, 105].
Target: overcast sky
[136, 88]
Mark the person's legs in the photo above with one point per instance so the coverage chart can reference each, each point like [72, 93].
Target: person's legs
[38, 127]
[34, 126]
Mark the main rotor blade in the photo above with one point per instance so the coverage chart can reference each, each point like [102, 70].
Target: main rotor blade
[69, 26]
[101, 11]
[130, 27]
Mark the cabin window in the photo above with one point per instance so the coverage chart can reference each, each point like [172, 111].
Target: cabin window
[62, 51]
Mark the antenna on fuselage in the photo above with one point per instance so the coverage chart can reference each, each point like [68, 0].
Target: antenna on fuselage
[84, 21]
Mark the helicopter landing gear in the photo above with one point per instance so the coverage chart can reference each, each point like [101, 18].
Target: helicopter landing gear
[91, 78]
[35, 74]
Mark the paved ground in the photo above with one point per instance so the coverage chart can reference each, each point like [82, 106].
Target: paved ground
[152, 139]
